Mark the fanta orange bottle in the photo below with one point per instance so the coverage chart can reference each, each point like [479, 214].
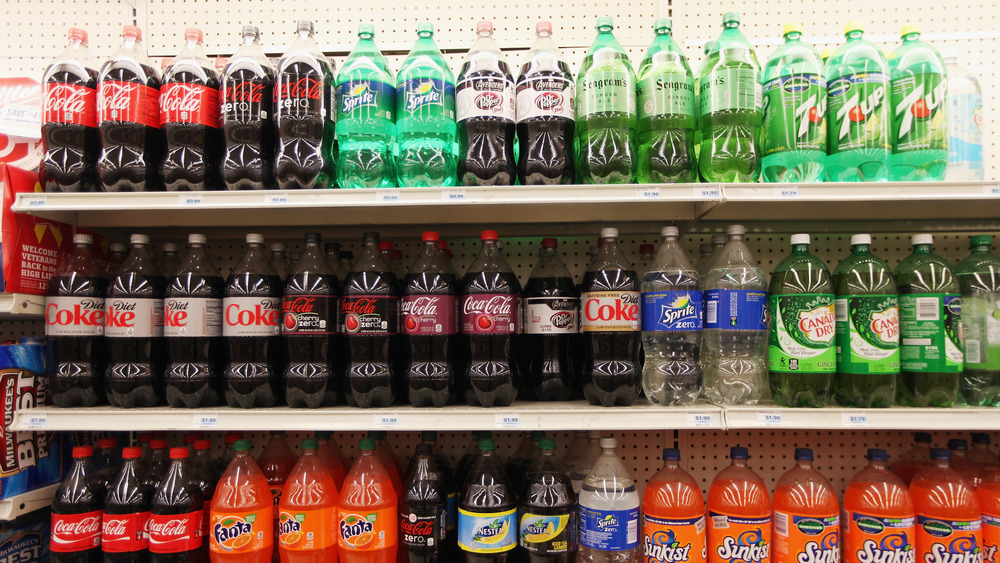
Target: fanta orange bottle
[329, 452]
[961, 464]
[368, 521]
[276, 461]
[878, 515]
[385, 454]
[981, 453]
[242, 512]
[989, 503]
[739, 514]
[308, 511]
[949, 522]
[916, 459]
[673, 512]
[806, 515]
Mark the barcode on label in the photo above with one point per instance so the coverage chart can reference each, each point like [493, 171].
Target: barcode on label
[633, 531]
[712, 312]
[840, 310]
[928, 309]
[781, 523]
[972, 352]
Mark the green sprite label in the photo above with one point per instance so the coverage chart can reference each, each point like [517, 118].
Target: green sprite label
[802, 331]
[366, 99]
[425, 98]
[930, 333]
[666, 93]
[856, 110]
[867, 334]
[918, 102]
[730, 89]
[794, 114]
[605, 91]
[981, 325]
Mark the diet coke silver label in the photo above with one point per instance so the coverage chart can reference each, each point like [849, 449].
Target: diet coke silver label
[485, 96]
[74, 316]
[549, 96]
[251, 316]
[134, 318]
[192, 317]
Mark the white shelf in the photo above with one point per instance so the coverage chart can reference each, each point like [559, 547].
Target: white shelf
[837, 418]
[21, 305]
[31, 501]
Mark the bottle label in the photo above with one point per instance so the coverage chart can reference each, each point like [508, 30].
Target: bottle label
[918, 102]
[867, 334]
[609, 530]
[485, 96]
[251, 316]
[674, 540]
[666, 93]
[609, 311]
[309, 315]
[243, 100]
[606, 91]
[426, 98]
[856, 108]
[871, 539]
[794, 113]
[189, 103]
[128, 101]
[452, 511]
[174, 533]
[69, 103]
[981, 326]
[546, 96]
[241, 532]
[370, 314]
[491, 313]
[366, 100]
[547, 534]
[944, 541]
[965, 115]
[740, 539]
[122, 533]
[423, 531]
[736, 309]
[487, 532]
[76, 532]
[730, 89]
[930, 333]
[306, 530]
[803, 327]
[673, 310]
[134, 318]
[368, 531]
[806, 539]
[74, 316]
[551, 315]
[430, 314]
[192, 317]
[991, 537]
[300, 94]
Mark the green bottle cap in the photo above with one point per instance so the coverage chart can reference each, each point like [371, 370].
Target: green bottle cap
[242, 446]
[731, 17]
[547, 444]
[537, 435]
[366, 444]
[429, 436]
[663, 24]
[425, 27]
[484, 434]
[321, 435]
[376, 434]
[605, 22]
[309, 444]
[487, 445]
[366, 29]
[980, 240]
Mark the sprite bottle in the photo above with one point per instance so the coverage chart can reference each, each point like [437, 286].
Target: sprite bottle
[979, 282]
[930, 334]
[867, 309]
[801, 357]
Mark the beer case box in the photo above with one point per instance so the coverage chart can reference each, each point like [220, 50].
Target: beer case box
[20, 122]
[25, 540]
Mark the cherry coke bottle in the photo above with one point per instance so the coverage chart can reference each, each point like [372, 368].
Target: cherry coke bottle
[251, 327]
[430, 322]
[189, 118]
[135, 330]
[247, 94]
[125, 530]
[77, 509]
[177, 513]
[192, 326]
[128, 116]
[69, 120]
[310, 321]
[491, 319]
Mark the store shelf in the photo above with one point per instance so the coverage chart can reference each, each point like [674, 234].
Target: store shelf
[31, 501]
[833, 418]
[21, 305]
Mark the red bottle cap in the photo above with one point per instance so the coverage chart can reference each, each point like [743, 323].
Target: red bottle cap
[443, 245]
[132, 452]
[432, 235]
[190, 437]
[83, 451]
[232, 437]
[77, 33]
[159, 444]
[385, 245]
[178, 453]
[194, 33]
[645, 248]
[133, 32]
[202, 444]
[489, 235]
[549, 243]
[397, 254]
[145, 437]
[105, 443]
[543, 27]
[484, 27]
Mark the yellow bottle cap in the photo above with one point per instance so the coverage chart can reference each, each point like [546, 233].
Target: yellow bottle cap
[909, 28]
[826, 53]
[853, 26]
[792, 27]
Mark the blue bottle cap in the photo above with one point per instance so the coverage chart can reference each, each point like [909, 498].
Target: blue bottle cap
[940, 453]
[958, 444]
[805, 454]
[876, 454]
[922, 437]
[738, 452]
[671, 454]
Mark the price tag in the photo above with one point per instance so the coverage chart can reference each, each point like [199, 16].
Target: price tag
[37, 422]
[386, 195]
[508, 420]
[191, 199]
[707, 192]
[647, 192]
[276, 198]
[786, 192]
[992, 189]
[453, 195]
[770, 418]
[389, 420]
[855, 419]
[205, 421]
[35, 201]
[700, 419]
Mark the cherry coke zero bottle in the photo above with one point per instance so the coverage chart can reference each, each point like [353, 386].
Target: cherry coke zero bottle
[125, 529]
[247, 94]
[76, 513]
[177, 513]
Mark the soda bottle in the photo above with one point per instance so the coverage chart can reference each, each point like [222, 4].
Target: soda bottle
[487, 510]
[117, 251]
[308, 510]
[74, 325]
[423, 508]
[645, 260]
[70, 141]
[982, 455]
[175, 521]
[609, 511]
[801, 355]
[329, 452]
[673, 514]
[547, 512]
[965, 129]
[914, 460]
[134, 331]
[930, 328]
[919, 110]
[735, 325]
[704, 265]
[545, 95]
[125, 524]
[170, 259]
[730, 100]
[189, 117]
[425, 116]
[206, 474]
[332, 252]
[484, 106]
[988, 495]
[857, 84]
[279, 259]
[794, 112]
[247, 95]
[697, 96]
[252, 331]
[106, 462]
[159, 461]
[949, 520]
[979, 283]
[867, 328]
[367, 513]
[606, 112]
[276, 462]
[491, 318]
[806, 514]
[665, 91]
[242, 512]
[739, 514]
[449, 547]
[229, 452]
[303, 98]
[672, 325]
[76, 513]
[386, 455]
[961, 464]
[878, 515]
[470, 455]
[128, 117]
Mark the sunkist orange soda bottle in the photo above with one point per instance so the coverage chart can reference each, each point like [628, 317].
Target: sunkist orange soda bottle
[806, 514]
[914, 460]
[673, 513]
[949, 522]
[878, 515]
[989, 503]
[276, 461]
[242, 512]
[739, 514]
[367, 510]
[307, 513]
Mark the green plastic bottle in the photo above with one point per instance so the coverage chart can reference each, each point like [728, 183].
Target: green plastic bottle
[979, 282]
[801, 356]
[930, 315]
[867, 309]
[697, 98]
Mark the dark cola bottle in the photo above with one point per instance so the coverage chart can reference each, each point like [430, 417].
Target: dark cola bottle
[252, 330]
[192, 327]
[305, 110]
[189, 117]
[176, 521]
[610, 327]
[206, 474]
[70, 142]
[370, 313]
[310, 322]
[128, 117]
[159, 461]
[491, 321]
[423, 508]
[247, 94]
[430, 322]
[106, 461]
[125, 529]
[137, 351]
[77, 510]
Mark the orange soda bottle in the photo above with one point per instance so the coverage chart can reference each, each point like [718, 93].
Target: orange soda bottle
[739, 514]
[982, 454]
[878, 515]
[806, 515]
[241, 512]
[329, 452]
[961, 464]
[276, 461]
[368, 515]
[989, 503]
[388, 459]
[308, 511]
[916, 459]
[673, 514]
[949, 522]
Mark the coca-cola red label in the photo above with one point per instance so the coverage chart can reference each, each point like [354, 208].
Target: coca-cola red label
[192, 317]
[251, 316]
[128, 101]
[74, 316]
[491, 313]
[370, 314]
[243, 101]
[299, 94]
[610, 311]
[421, 531]
[69, 103]
[174, 533]
[309, 315]
[123, 533]
[76, 532]
[134, 318]
[430, 314]
[189, 103]
[551, 315]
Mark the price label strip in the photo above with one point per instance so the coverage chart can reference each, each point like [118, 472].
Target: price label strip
[508, 420]
[453, 195]
[855, 419]
[191, 200]
[387, 195]
[37, 422]
[276, 198]
[387, 420]
[647, 192]
[786, 192]
[205, 421]
[707, 192]
[700, 419]
[770, 418]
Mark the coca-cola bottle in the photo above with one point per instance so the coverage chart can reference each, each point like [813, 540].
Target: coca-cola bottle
[192, 326]
[491, 319]
[159, 461]
[176, 516]
[170, 259]
[137, 352]
[69, 120]
[310, 322]
[430, 323]
[117, 251]
[189, 117]
[610, 327]
[76, 513]
[252, 330]
[206, 474]
[125, 530]
[423, 508]
[305, 110]
[106, 462]
[128, 116]
[370, 313]
[247, 116]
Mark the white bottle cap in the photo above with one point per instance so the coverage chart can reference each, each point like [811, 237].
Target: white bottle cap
[169, 247]
[923, 238]
[276, 246]
[609, 232]
[195, 238]
[255, 238]
[139, 239]
[670, 231]
[83, 238]
[117, 247]
[736, 230]
[861, 239]
[718, 239]
[800, 239]
[594, 434]
[608, 443]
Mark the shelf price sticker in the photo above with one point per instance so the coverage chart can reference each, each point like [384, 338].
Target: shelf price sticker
[453, 195]
[855, 419]
[276, 198]
[508, 420]
[770, 418]
[786, 192]
[205, 420]
[700, 419]
[35, 201]
[647, 192]
[387, 420]
[191, 200]
[712, 192]
[992, 189]
[387, 195]
[37, 422]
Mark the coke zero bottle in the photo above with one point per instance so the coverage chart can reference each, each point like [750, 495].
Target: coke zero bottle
[423, 508]
[125, 530]
[247, 94]
[77, 509]
[176, 517]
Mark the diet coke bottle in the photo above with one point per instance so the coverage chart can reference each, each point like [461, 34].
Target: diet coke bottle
[176, 521]
[76, 513]
[125, 529]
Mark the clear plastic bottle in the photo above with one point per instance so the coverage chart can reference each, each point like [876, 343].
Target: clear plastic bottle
[580, 467]
[704, 265]
[609, 511]
[979, 282]
[965, 122]
[487, 510]
[646, 253]
[247, 95]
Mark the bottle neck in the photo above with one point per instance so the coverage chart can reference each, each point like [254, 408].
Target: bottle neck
[860, 249]
[739, 463]
[804, 463]
[800, 248]
[877, 464]
[940, 463]
[854, 35]
[921, 249]
[793, 36]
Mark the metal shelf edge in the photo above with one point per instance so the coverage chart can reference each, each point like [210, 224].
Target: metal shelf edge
[11, 508]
